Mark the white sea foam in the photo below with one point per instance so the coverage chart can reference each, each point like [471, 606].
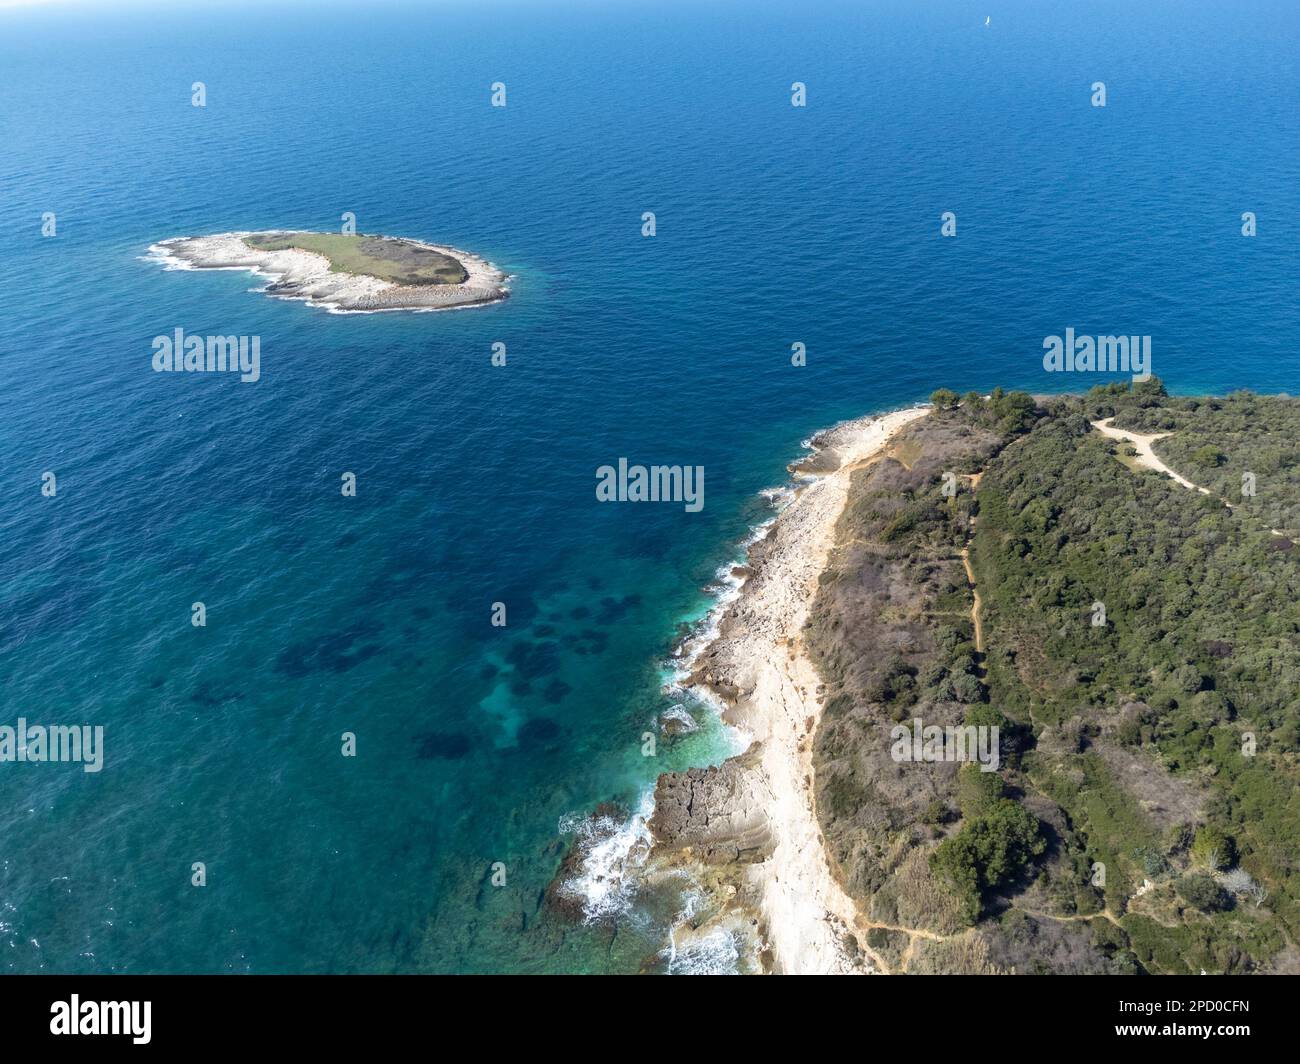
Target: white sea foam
[780, 497]
[612, 854]
[725, 589]
[716, 952]
[679, 713]
[713, 953]
[162, 256]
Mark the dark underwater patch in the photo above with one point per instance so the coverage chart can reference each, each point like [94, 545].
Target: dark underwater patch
[448, 746]
[333, 653]
[612, 609]
[532, 661]
[538, 731]
[591, 641]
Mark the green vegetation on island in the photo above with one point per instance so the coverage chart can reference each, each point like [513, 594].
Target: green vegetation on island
[402, 262]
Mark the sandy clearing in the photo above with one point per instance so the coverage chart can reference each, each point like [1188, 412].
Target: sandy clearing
[1146, 456]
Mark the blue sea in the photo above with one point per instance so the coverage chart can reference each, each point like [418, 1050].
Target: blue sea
[481, 748]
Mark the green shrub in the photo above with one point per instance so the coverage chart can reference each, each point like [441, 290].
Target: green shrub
[1203, 893]
[1212, 849]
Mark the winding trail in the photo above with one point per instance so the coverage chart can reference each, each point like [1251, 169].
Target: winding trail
[977, 606]
[1146, 457]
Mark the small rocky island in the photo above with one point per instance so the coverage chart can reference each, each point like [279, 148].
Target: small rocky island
[345, 272]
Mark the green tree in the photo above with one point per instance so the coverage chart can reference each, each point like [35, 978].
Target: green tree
[1212, 849]
[966, 688]
[989, 851]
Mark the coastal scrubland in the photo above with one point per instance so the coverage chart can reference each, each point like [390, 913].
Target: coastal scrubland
[1140, 661]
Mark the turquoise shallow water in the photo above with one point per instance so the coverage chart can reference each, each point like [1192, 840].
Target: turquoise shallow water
[372, 614]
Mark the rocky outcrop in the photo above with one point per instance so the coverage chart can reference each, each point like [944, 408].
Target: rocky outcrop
[716, 812]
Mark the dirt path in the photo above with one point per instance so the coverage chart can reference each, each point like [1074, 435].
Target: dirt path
[914, 935]
[1100, 914]
[977, 605]
[1146, 456]
[976, 610]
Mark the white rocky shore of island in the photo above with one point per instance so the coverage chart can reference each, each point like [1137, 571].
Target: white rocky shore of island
[755, 816]
[305, 275]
